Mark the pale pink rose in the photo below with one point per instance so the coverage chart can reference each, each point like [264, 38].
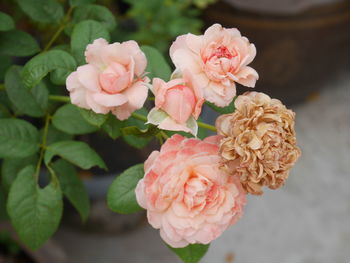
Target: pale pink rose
[178, 104]
[186, 193]
[112, 81]
[218, 59]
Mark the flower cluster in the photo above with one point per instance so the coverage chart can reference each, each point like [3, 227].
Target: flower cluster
[192, 189]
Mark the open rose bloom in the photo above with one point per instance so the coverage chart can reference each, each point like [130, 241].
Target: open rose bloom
[178, 104]
[217, 60]
[112, 81]
[186, 193]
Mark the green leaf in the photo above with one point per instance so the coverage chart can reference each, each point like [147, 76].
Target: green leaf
[113, 126]
[121, 197]
[6, 62]
[58, 61]
[92, 117]
[6, 22]
[78, 153]
[72, 187]
[18, 138]
[80, 2]
[69, 120]
[11, 167]
[43, 11]
[85, 33]
[156, 64]
[18, 43]
[150, 131]
[4, 112]
[135, 141]
[95, 12]
[35, 213]
[54, 135]
[192, 253]
[225, 110]
[31, 102]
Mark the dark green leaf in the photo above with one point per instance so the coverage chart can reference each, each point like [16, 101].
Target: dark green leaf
[156, 64]
[31, 102]
[44, 11]
[85, 33]
[95, 12]
[150, 131]
[35, 213]
[54, 135]
[80, 2]
[6, 22]
[18, 138]
[58, 61]
[5, 64]
[92, 117]
[11, 167]
[113, 126]
[78, 153]
[121, 197]
[225, 110]
[18, 43]
[68, 119]
[191, 253]
[135, 141]
[72, 187]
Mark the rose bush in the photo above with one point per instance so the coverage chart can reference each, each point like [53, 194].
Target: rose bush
[192, 188]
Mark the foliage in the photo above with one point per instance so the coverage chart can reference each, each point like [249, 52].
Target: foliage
[39, 128]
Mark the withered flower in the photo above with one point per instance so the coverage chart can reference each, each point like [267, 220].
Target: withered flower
[259, 141]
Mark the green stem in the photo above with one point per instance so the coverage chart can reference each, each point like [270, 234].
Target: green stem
[139, 116]
[58, 98]
[59, 30]
[43, 146]
[2, 86]
[206, 126]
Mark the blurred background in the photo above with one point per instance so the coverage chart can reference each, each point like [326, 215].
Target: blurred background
[303, 59]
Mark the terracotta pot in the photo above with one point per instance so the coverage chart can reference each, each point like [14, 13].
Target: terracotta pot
[296, 53]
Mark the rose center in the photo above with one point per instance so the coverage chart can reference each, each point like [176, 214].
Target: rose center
[114, 79]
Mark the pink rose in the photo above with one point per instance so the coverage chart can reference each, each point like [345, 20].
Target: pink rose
[186, 193]
[178, 104]
[218, 59]
[112, 81]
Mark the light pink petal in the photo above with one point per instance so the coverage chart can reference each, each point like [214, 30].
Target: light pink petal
[96, 107]
[219, 94]
[213, 139]
[150, 160]
[140, 194]
[186, 59]
[247, 76]
[137, 95]
[194, 43]
[88, 77]
[138, 56]
[170, 242]
[179, 43]
[110, 100]
[93, 52]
